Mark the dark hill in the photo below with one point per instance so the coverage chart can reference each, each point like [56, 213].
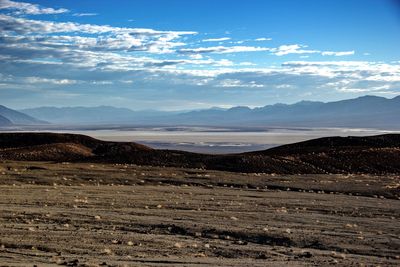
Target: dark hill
[334, 143]
[371, 155]
[43, 142]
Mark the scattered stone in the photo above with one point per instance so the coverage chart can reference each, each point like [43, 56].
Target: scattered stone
[178, 245]
[262, 256]
[200, 255]
[107, 251]
[349, 225]
[282, 210]
[306, 254]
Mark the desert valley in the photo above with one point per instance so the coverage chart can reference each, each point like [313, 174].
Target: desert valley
[199, 133]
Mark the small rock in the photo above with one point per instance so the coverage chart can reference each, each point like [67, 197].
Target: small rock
[107, 251]
[306, 254]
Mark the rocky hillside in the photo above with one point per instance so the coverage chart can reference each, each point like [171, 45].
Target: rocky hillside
[372, 155]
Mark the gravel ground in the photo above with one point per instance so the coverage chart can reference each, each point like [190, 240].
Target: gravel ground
[125, 215]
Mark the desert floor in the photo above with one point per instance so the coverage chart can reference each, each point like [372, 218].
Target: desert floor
[124, 215]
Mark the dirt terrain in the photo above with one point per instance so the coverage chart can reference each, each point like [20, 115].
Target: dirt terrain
[85, 214]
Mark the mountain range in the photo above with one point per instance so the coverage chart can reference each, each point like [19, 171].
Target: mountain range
[10, 117]
[93, 115]
[367, 112]
[362, 112]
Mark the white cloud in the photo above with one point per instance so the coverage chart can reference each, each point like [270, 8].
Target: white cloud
[28, 26]
[227, 83]
[196, 56]
[247, 64]
[302, 49]
[222, 49]
[57, 34]
[217, 39]
[284, 86]
[29, 9]
[292, 49]
[51, 81]
[84, 14]
[262, 39]
[337, 54]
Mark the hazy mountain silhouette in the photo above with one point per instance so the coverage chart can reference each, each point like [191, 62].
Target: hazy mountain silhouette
[93, 115]
[4, 121]
[16, 117]
[366, 112]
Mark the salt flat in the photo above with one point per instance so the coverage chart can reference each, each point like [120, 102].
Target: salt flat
[219, 140]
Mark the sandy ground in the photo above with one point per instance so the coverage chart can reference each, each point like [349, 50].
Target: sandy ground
[123, 215]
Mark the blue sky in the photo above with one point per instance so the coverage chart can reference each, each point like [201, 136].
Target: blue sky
[176, 54]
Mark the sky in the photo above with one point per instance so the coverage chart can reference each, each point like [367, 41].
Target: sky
[182, 55]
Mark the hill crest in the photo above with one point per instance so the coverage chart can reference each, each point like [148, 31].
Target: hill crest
[370, 155]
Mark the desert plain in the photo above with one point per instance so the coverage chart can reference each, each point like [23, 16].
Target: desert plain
[83, 214]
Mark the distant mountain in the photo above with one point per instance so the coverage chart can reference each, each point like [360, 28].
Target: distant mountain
[19, 118]
[4, 121]
[365, 112]
[362, 112]
[93, 115]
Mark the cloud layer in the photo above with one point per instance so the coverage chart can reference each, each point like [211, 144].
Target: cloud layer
[28, 9]
[54, 60]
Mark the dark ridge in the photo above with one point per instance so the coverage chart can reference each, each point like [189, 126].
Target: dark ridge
[369, 155]
[21, 139]
[335, 142]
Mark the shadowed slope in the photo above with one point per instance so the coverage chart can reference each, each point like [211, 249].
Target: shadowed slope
[375, 154]
[335, 143]
[4, 121]
[17, 117]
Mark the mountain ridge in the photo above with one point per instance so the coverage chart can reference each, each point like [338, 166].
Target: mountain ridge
[364, 112]
[4, 121]
[18, 118]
